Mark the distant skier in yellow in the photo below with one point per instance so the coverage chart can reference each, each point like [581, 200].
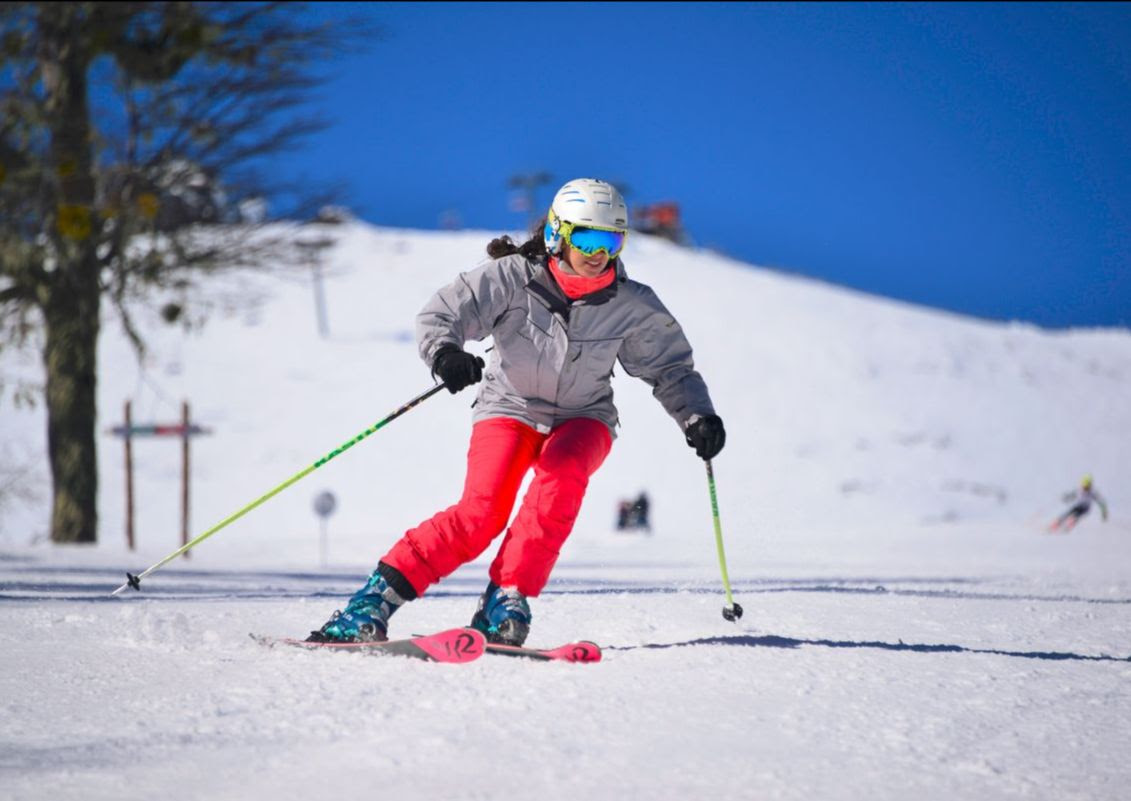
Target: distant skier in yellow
[1081, 500]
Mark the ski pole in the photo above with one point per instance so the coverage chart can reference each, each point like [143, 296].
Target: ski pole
[731, 611]
[135, 581]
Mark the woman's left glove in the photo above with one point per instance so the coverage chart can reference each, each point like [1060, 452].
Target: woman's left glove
[706, 435]
[457, 368]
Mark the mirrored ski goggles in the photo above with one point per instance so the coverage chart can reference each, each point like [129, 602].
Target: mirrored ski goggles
[591, 241]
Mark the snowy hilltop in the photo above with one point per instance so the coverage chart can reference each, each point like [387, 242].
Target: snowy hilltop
[911, 627]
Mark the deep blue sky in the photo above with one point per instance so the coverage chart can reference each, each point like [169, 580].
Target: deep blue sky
[973, 157]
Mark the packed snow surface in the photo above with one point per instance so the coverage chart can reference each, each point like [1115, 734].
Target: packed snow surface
[911, 628]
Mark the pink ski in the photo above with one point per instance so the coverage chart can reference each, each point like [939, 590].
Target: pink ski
[581, 651]
[453, 645]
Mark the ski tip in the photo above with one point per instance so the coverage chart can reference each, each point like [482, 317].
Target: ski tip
[585, 651]
[453, 645]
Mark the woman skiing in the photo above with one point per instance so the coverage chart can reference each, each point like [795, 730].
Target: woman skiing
[1081, 500]
[561, 312]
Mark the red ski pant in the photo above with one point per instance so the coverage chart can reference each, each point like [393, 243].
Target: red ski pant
[502, 451]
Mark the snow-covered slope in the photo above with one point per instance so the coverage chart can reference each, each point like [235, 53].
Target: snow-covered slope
[840, 407]
[889, 471]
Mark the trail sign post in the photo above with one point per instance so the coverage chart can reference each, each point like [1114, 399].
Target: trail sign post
[186, 429]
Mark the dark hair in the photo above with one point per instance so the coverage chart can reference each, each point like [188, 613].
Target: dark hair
[533, 248]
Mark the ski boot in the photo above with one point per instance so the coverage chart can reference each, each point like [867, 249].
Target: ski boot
[366, 616]
[503, 615]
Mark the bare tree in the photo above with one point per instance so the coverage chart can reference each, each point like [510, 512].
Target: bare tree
[133, 144]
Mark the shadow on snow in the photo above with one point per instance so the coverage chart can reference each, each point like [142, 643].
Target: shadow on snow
[775, 641]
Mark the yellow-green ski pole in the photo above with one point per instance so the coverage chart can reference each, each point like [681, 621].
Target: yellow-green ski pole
[135, 581]
[731, 611]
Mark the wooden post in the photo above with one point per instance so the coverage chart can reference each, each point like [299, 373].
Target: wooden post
[185, 475]
[185, 430]
[129, 481]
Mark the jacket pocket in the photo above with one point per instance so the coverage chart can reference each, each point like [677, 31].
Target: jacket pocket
[586, 373]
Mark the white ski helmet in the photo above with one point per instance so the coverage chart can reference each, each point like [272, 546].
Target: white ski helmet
[588, 203]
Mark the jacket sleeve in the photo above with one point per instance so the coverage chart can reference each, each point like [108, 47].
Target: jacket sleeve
[658, 353]
[467, 308]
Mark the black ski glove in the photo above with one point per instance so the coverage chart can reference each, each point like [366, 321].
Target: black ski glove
[457, 368]
[706, 436]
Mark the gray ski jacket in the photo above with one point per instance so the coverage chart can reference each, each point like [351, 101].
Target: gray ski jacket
[553, 358]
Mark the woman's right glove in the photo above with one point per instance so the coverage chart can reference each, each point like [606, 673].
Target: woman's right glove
[706, 435]
[457, 368]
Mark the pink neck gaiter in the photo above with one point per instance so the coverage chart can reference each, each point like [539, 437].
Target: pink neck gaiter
[577, 286]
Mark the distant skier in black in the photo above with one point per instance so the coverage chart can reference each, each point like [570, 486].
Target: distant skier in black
[1081, 500]
[640, 513]
[634, 514]
[624, 515]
